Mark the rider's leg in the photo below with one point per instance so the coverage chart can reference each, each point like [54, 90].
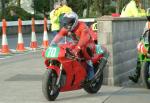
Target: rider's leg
[88, 54]
[90, 69]
[135, 77]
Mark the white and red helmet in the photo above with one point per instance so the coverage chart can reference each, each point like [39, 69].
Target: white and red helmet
[70, 21]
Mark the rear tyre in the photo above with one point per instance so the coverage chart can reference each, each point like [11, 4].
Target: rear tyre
[145, 74]
[94, 87]
[49, 88]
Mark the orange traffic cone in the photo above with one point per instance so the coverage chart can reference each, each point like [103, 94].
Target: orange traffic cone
[5, 48]
[33, 43]
[20, 45]
[45, 43]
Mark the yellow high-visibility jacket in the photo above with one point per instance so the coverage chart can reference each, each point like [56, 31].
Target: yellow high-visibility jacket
[55, 16]
[142, 12]
[54, 20]
[131, 10]
[63, 9]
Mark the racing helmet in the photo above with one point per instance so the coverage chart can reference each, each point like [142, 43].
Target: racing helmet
[70, 21]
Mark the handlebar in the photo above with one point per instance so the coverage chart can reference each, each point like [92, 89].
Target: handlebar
[70, 55]
[68, 51]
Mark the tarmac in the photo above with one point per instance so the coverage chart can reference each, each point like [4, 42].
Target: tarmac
[21, 82]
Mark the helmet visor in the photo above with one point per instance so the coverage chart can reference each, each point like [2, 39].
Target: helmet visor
[68, 22]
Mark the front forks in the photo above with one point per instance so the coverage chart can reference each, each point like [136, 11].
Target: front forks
[59, 76]
[57, 82]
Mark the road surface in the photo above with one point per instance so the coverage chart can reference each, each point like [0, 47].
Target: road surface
[20, 82]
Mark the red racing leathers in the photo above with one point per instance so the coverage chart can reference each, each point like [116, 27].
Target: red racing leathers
[82, 34]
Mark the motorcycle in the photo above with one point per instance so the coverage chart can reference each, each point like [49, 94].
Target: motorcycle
[66, 72]
[144, 54]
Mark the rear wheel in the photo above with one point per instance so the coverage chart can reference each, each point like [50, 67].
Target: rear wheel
[49, 88]
[94, 87]
[145, 74]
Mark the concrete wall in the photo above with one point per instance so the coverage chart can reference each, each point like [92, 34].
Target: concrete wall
[120, 36]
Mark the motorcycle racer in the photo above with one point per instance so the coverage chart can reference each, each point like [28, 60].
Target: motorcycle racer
[142, 49]
[79, 32]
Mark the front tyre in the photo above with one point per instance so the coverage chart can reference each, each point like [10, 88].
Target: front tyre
[145, 74]
[49, 88]
[94, 87]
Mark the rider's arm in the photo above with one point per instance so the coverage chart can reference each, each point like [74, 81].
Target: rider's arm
[60, 34]
[84, 38]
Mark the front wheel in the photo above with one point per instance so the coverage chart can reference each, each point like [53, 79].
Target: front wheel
[49, 88]
[94, 87]
[145, 74]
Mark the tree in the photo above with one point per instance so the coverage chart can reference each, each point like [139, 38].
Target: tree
[78, 6]
[3, 3]
[41, 6]
[88, 3]
[18, 3]
[3, 8]
[99, 7]
[93, 8]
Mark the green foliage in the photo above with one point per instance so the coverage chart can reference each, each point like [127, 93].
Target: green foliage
[7, 1]
[19, 13]
[0, 16]
[109, 10]
[41, 6]
[18, 3]
[77, 5]
[93, 8]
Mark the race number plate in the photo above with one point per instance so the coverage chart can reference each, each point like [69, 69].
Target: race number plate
[52, 52]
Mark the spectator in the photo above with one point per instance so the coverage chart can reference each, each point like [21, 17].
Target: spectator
[133, 9]
[115, 8]
[137, 72]
[63, 10]
[56, 16]
[54, 20]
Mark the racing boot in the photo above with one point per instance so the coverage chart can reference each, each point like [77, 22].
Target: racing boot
[90, 69]
[135, 77]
